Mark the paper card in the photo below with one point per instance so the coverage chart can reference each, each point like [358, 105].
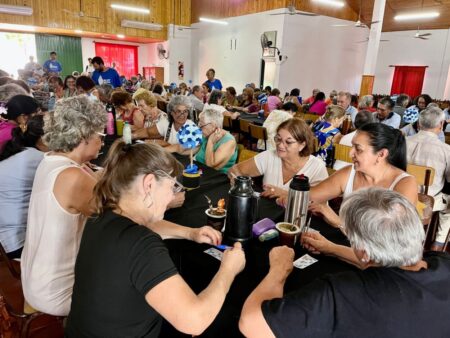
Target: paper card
[304, 261]
[217, 254]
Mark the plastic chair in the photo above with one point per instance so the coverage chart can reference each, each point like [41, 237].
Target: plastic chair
[259, 133]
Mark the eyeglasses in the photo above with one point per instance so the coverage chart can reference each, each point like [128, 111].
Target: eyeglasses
[181, 112]
[278, 140]
[177, 186]
[102, 136]
[201, 126]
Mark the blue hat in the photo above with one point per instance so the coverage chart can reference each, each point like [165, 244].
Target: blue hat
[411, 115]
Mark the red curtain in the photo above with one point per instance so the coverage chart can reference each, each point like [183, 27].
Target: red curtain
[408, 80]
[125, 57]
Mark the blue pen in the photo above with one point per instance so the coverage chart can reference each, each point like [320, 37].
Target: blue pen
[223, 247]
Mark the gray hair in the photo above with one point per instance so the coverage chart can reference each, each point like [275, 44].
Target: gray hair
[146, 84]
[211, 115]
[179, 100]
[402, 100]
[365, 102]
[9, 90]
[215, 96]
[74, 119]
[105, 89]
[431, 117]
[385, 225]
[363, 117]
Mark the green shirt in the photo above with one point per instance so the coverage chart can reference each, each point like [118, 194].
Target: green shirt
[200, 157]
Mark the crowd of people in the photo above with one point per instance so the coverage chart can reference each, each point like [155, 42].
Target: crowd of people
[52, 128]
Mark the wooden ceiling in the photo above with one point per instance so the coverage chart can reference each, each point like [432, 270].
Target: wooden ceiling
[394, 7]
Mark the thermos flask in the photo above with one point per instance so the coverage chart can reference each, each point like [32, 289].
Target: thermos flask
[298, 200]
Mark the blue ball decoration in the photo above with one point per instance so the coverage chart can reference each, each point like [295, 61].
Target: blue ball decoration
[189, 136]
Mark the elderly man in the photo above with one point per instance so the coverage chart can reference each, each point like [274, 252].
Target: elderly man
[197, 98]
[391, 298]
[401, 103]
[426, 149]
[385, 114]
[344, 99]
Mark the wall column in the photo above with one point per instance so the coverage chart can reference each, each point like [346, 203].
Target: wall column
[370, 64]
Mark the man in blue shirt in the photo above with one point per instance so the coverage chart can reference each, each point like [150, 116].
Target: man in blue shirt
[104, 74]
[52, 65]
[385, 114]
[344, 100]
[212, 82]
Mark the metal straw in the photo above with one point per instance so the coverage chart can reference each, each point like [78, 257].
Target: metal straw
[306, 228]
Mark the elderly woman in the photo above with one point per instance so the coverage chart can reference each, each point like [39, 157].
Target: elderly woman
[15, 114]
[327, 131]
[230, 97]
[400, 288]
[70, 88]
[247, 100]
[146, 102]
[366, 103]
[178, 109]
[379, 160]
[126, 110]
[294, 145]
[215, 102]
[122, 254]
[60, 203]
[18, 164]
[218, 149]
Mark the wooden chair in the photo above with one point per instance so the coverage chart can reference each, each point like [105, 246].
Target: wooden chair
[428, 217]
[244, 131]
[310, 117]
[162, 105]
[13, 266]
[227, 123]
[258, 133]
[423, 175]
[342, 153]
[245, 154]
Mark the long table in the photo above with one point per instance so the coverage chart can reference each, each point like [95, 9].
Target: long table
[198, 268]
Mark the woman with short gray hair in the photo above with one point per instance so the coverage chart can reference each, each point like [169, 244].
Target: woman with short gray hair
[218, 149]
[60, 203]
[383, 227]
[366, 102]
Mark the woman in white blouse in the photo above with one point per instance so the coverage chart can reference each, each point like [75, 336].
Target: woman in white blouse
[292, 156]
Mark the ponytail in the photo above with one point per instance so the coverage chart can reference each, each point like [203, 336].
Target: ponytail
[125, 162]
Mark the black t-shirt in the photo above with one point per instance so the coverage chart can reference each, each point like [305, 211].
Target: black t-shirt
[118, 262]
[377, 302]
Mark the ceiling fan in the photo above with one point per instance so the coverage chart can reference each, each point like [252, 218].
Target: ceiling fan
[291, 10]
[367, 39]
[358, 23]
[422, 36]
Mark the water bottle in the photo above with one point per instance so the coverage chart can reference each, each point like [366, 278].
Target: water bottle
[127, 133]
[110, 122]
[298, 200]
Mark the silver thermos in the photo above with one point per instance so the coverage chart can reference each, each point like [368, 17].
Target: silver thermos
[298, 200]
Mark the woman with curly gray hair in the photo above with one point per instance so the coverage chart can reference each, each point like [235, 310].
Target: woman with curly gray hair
[60, 203]
[165, 131]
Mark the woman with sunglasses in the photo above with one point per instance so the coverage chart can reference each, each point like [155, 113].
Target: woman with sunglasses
[164, 132]
[294, 145]
[60, 203]
[125, 280]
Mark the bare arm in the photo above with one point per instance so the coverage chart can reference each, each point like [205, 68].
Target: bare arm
[138, 119]
[191, 313]
[73, 190]
[408, 188]
[247, 168]
[217, 159]
[151, 132]
[331, 187]
[252, 322]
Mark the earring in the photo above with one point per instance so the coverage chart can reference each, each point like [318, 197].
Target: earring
[148, 200]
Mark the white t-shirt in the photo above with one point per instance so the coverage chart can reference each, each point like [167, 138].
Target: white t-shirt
[270, 165]
[162, 126]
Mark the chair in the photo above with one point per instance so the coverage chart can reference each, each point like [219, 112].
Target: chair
[162, 105]
[427, 216]
[342, 153]
[245, 154]
[243, 130]
[310, 117]
[259, 133]
[227, 123]
[423, 175]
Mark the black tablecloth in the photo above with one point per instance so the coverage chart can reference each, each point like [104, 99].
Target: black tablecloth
[198, 268]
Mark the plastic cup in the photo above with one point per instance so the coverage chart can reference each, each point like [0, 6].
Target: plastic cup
[288, 233]
[119, 127]
[215, 221]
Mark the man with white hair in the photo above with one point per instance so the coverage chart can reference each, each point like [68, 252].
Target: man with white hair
[425, 148]
[344, 100]
[394, 296]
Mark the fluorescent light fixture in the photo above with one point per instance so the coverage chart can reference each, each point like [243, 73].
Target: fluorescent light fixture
[16, 10]
[141, 25]
[416, 16]
[121, 36]
[220, 22]
[12, 27]
[131, 9]
[78, 31]
[334, 3]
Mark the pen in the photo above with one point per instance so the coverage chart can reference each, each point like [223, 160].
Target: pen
[223, 247]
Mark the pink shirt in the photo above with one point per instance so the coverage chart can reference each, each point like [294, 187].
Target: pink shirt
[318, 108]
[6, 128]
[272, 102]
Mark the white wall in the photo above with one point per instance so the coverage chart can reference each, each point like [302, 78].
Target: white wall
[321, 56]
[404, 50]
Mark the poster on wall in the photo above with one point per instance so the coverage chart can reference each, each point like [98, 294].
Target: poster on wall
[180, 70]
